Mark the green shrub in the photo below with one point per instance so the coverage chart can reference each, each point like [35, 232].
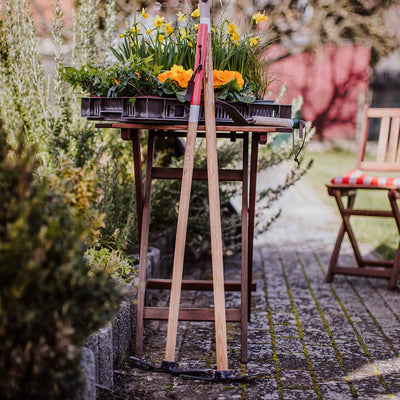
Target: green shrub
[50, 300]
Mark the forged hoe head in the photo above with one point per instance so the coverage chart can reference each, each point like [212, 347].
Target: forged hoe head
[205, 375]
[170, 367]
[226, 377]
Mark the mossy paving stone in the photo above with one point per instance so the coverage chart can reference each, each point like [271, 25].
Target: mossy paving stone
[331, 390]
[319, 353]
[288, 344]
[292, 361]
[316, 337]
[368, 387]
[328, 370]
[296, 379]
[299, 394]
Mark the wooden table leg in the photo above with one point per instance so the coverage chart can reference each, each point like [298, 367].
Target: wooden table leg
[252, 206]
[245, 299]
[137, 165]
[144, 244]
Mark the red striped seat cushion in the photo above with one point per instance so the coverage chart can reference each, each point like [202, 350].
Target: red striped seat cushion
[357, 177]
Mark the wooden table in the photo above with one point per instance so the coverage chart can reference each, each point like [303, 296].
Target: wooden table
[133, 133]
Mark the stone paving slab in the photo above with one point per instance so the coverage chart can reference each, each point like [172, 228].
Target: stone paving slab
[309, 339]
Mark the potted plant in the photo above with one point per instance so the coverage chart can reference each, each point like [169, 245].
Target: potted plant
[155, 58]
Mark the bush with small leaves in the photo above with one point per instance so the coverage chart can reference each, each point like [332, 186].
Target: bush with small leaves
[50, 300]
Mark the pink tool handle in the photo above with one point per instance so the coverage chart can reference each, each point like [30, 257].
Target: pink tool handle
[201, 49]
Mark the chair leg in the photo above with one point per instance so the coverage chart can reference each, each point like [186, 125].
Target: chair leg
[346, 222]
[393, 195]
[335, 255]
[394, 279]
[345, 227]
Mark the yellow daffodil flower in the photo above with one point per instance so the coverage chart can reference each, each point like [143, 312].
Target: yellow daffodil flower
[158, 21]
[196, 12]
[168, 29]
[255, 40]
[135, 29]
[148, 32]
[259, 17]
[196, 27]
[183, 33]
[235, 38]
[121, 35]
[181, 17]
[232, 29]
[143, 13]
[161, 38]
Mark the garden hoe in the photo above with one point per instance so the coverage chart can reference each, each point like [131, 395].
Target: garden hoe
[203, 68]
[239, 119]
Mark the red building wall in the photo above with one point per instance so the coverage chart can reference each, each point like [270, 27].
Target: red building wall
[330, 83]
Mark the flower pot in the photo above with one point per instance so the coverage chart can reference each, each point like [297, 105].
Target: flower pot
[168, 110]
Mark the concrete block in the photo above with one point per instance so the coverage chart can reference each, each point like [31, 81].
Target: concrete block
[122, 331]
[101, 343]
[88, 389]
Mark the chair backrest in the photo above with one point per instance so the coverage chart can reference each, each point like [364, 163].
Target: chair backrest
[388, 149]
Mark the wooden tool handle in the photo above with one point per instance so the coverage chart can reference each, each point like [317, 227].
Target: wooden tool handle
[180, 242]
[270, 121]
[215, 214]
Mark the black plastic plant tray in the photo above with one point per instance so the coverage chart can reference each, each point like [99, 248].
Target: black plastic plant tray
[165, 110]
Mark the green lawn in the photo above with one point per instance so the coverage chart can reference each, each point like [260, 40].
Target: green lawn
[380, 232]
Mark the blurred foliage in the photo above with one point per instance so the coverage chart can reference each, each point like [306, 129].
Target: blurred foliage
[50, 299]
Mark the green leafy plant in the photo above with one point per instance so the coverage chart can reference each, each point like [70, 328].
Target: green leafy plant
[133, 78]
[50, 299]
[146, 51]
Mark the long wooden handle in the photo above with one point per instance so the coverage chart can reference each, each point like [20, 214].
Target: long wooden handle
[184, 201]
[180, 242]
[271, 121]
[215, 214]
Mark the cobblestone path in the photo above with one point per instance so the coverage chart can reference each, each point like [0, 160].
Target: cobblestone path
[309, 339]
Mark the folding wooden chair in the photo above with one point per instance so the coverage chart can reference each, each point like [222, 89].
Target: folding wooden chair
[387, 159]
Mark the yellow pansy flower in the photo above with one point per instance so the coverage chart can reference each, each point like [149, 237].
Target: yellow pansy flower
[158, 21]
[181, 17]
[196, 12]
[143, 13]
[259, 17]
[178, 75]
[168, 29]
[223, 77]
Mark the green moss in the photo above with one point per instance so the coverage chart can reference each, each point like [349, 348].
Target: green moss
[359, 338]
[301, 334]
[273, 337]
[327, 328]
